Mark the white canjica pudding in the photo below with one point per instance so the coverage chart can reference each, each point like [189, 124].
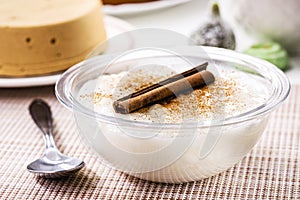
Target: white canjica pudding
[192, 153]
[231, 94]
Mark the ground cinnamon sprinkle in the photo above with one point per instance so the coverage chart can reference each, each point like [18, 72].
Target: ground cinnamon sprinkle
[96, 96]
[207, 100]
[229, 95]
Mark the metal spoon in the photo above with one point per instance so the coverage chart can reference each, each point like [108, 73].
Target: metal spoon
[53, 164]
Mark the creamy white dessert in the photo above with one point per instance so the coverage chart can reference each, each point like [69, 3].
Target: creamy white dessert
[173, 154]
[230, 95]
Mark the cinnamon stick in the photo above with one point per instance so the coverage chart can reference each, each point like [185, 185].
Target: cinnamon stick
[169, 91]
[168, 80]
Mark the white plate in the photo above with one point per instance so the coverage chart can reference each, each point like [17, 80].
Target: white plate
[136, 8]
[113, 26]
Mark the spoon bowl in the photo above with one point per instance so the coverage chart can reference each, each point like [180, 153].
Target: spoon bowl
[53, 164]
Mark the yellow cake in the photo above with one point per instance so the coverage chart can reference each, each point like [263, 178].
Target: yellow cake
[46, 36]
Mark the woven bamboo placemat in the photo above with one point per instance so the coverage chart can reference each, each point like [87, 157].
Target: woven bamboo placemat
[270, 171]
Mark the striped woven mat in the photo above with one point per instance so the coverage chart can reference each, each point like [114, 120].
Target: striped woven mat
[270, 171]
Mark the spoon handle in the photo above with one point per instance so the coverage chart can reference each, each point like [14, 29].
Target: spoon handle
[42, 116]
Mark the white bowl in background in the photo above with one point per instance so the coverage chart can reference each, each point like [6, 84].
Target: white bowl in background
[277, 20]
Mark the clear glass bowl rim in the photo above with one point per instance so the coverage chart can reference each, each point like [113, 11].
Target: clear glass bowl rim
[65, 97]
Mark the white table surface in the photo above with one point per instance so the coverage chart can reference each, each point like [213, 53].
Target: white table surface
[186, 17]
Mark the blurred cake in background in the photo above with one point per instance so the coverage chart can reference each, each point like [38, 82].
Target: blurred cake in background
[47, 36]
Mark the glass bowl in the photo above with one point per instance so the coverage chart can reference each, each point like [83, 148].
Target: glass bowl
[171, 152]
